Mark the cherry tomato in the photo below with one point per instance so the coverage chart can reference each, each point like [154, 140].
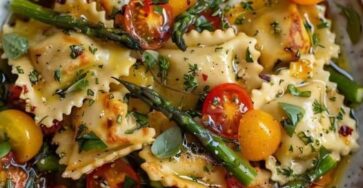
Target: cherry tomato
[147, 23]
[232, 182]
[307, 2]
[8, 172]
[224, 107]
[113, 175]
[24, 135]
[259, 135]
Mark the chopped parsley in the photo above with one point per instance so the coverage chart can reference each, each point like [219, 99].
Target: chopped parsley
[296, 92]
[306, 139]
[323, 24]
[241, 19]
[119, 119]
[319, 107]
[88, 140]
[57, 75]
[90, 92]
[276, 27]
[190, 80]
[164, 66]
[76, 50]
[285, 171]
[92, 49]
[150, 58]
[247, 5]
[78, 84]
[248, 58]
[34, 77]
[19, 70]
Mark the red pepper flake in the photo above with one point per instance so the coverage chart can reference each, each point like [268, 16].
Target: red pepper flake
[205, 77]
[345, 130]
[32, 109]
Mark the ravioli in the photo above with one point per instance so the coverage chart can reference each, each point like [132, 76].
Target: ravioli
[84, 9]
[107, 117]
[61, 70]
[319, 127]
[220, 57]
[200, 172]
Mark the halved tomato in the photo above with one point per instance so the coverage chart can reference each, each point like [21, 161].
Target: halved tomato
[15, 176]
[224, 107]
[232, 182]
[113, 175]
[149, 24]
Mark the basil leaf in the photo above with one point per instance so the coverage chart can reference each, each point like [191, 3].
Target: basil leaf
[168, 143]
[5, 148]
[354, 26]
[80, 83]
[14, 45]
[296, 92]
[88, 140]
[294, 114]
[203, 24]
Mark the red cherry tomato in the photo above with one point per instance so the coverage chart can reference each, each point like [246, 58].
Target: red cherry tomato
[232, 182]
[113, 175]
[224, 107]
[147, 23]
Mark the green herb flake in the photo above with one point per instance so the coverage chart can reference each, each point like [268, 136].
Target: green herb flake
[319, 107]
[296, 92]
[88, 140]
[76, 50]
[90, 92]
[306, 139]
[285, 171]
[294, 115]
[34, 77]
[119, 119]
[78, 84]
[19, 70]
[241, 19]
[248, 58]
[57, 75]
[14, 45]
[323, 24]
[92, 49]
[247, 5]
[276, 27]
[168, 143]
[202, 24]
[164, 66]
[150, 58]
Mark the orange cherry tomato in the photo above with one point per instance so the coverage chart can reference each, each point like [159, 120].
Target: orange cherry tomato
[149, 24]
[113, 175]
[259, 135]
[224, 107]
[307, 2]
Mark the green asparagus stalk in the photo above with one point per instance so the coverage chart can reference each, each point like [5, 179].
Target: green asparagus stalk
[64, 21]
[323, 165]
[352, 91]
[188, 18]
[240, 168]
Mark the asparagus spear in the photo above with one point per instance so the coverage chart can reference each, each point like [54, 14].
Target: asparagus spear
[64, 21]
[188, 18]
[240, 168]
[352, 91]
[323, 165]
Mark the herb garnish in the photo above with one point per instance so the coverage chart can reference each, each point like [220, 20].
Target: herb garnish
[78, 84]
[76, 50]
[248, 58]
[203, 24]
[294, 115]
[168, 143]
[14, 45]
[247, 5]
[190, 81]
[319, 107]
[241, 19]
[296, 92]
[164, 66]
[88, 140]
[276, 27]
[34, 77]
[57, 75]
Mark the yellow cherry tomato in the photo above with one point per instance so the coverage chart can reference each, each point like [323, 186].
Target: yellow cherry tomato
[24, 135]
[307, 2]
[259, 135]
